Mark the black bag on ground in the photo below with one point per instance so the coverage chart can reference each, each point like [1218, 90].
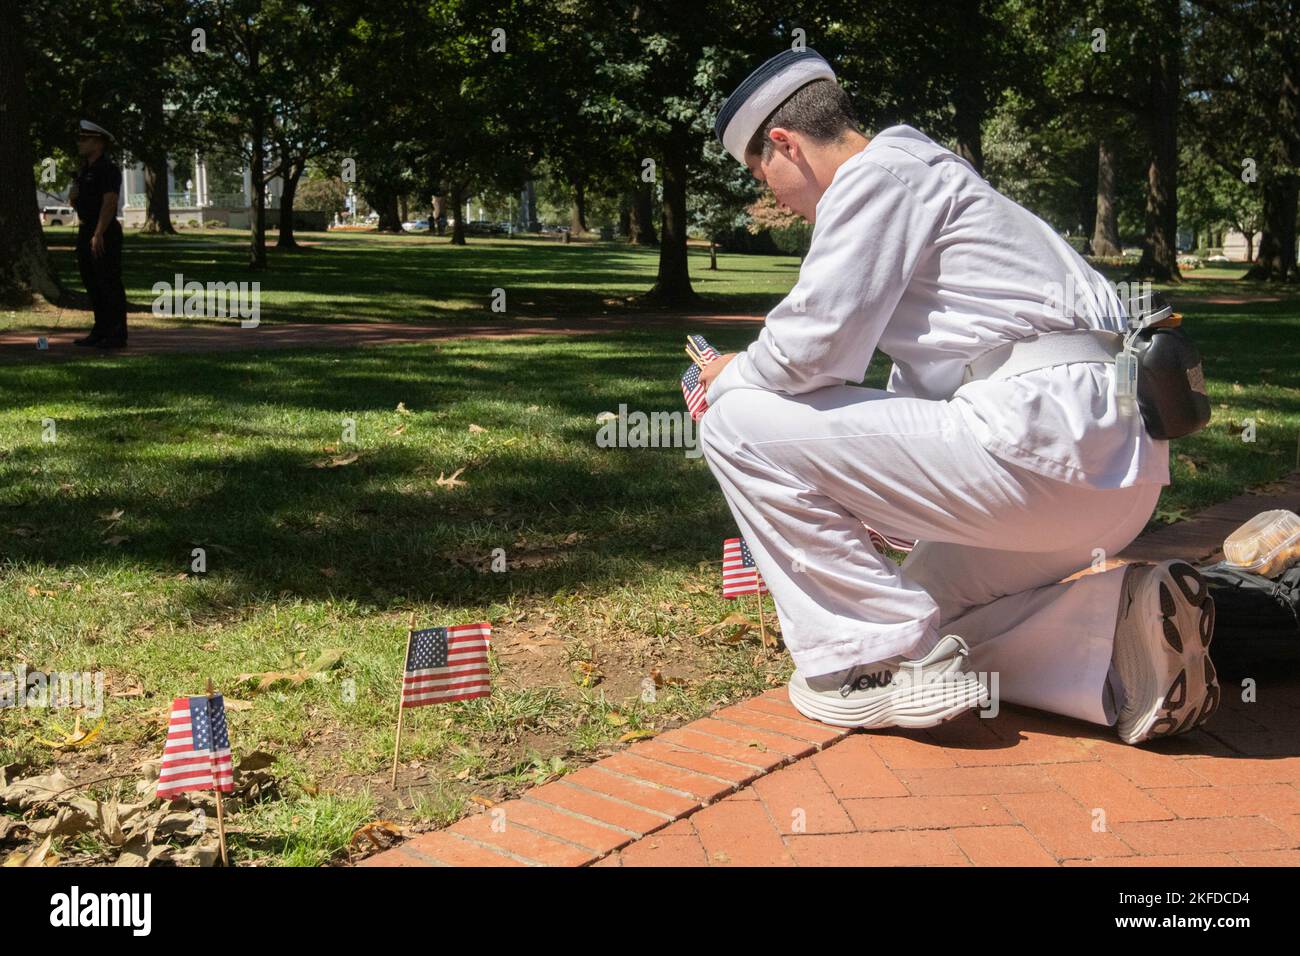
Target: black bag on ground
[1256, 619]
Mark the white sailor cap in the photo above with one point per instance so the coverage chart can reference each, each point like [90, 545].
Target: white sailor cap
[762, 92]
[94, 129]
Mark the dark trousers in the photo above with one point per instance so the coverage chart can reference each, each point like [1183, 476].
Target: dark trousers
[102, 276]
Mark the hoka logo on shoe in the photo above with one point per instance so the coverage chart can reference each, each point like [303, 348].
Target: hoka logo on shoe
[869, 682]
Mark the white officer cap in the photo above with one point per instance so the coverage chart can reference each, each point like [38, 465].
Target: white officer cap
[762, 92]
[94, 129]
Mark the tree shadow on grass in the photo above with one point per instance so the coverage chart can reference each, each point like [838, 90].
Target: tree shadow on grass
[416, 281]
[380, 530]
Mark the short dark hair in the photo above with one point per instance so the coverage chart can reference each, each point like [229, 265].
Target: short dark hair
[820, 110]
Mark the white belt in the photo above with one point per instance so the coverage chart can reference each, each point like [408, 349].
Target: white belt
[1043, 351]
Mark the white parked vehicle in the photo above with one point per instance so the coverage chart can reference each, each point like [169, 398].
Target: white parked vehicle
[416, 225]
[58, 216]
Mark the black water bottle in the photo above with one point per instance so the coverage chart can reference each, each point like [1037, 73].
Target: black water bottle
[1171, 385]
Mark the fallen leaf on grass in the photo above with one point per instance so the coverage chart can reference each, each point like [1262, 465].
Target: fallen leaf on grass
[643, 734]
[267, 679]
[476, 429]
[452, 480]
[737, 620]
[338, 461]
[387, 828]
[116, 539]
[74, 738]
[41, 856]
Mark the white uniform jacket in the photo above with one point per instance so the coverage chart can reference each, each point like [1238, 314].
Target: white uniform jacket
[915, 254]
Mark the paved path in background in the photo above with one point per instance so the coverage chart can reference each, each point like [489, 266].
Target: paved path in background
[335, 335]
[758, 784]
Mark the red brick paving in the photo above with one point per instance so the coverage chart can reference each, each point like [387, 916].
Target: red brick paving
[756, 784]
[229, 337]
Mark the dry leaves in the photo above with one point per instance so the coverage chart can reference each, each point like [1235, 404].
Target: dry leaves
[337, 461]
[328, 660]
[452, 480]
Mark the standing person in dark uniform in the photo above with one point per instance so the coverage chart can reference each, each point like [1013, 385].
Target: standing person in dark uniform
[99, 237]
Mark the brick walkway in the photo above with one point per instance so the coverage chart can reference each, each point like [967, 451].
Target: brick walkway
[229, 337]
[758, 784]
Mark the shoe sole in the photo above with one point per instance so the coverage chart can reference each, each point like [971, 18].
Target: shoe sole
[1179, 597]
[923, 706]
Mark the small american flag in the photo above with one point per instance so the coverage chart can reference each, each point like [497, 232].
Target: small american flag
[197, 753]
[447, 663]
[882, 541]
[703, 348]
[739, 575]
[696, 403]
[702, 354]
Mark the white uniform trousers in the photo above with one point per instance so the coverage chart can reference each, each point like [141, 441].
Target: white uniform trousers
[803, 473]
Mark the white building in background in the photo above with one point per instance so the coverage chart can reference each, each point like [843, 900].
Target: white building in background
[1234, 246]
[191, 200]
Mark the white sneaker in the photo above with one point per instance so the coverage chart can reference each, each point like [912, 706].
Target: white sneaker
[1167, 684]
[892, 693]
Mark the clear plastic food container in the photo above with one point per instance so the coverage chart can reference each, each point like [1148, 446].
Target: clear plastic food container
[1266, 545]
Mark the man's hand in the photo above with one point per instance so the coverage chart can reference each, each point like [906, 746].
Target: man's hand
[714, 369]
[97, 244]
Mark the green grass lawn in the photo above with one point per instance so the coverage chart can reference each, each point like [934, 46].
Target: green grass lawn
[415, 278]
[612, 554]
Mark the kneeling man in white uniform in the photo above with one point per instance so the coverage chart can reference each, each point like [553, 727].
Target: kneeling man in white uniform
[1011, 474]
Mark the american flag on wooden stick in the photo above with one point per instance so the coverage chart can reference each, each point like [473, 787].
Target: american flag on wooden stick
[694, 392]
[739, 575]
[882, 541]
[447, 663]
[702, 353]
[197, 753]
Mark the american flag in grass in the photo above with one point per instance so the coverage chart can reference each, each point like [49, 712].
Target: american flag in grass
[447, 663]
[197, 753]
[739, 574]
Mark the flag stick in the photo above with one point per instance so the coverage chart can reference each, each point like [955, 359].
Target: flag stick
[221, 817]
[762, 627]
[397, 744]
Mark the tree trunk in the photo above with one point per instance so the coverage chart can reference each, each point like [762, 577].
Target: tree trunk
[24, 261]
[968, 121]
[158, 211]
[625, 219]
[384, 202]
[457, 198]
[642, 231]
[673, 285]
[1277, 246]
[578, 220]
[439, 213]
[257, 182]
[1160, 248]
[286, 239]
[1105, 233]
[402, 210]
[158, 215]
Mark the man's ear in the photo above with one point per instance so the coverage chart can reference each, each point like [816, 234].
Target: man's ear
[784, 142]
